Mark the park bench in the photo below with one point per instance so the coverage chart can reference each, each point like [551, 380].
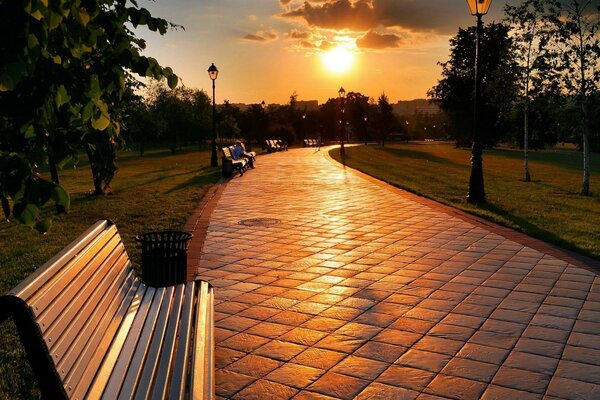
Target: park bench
[274, 145]
[311, 142]
[91, 329]
[229, 163]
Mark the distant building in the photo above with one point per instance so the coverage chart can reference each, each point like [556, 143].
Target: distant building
[309, 105]
[410, 107]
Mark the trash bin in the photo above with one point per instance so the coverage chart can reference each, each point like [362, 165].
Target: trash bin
[164, 257]
[227, 167]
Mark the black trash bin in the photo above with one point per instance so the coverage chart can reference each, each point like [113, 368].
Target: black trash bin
[164, 257]
[227, 167]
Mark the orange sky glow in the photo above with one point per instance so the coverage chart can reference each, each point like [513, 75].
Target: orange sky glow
[268, 49]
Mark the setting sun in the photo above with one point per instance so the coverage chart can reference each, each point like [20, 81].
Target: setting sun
[338, 60]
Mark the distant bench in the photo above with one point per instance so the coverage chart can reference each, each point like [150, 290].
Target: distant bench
[312, 143]
[273, 145]
[91, 329]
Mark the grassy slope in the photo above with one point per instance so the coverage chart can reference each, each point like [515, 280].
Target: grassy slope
[154, 192]
[549, 208]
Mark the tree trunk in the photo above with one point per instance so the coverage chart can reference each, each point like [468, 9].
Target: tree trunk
[60, 209]
[526, 145]
[95, 175]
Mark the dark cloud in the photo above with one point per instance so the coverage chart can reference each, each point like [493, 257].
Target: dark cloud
[262, 36]
[373, 40]
[255, 38]
[440, 16]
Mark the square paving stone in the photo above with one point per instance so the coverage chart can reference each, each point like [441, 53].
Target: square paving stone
[319, 358]
[397, 337]
[244, 342]
[411, 378]
[295, 375]
[290, 318]
[227, 383]
[570, 389]
[521, 380]
[380, 351]
[255, 366]
[263, 389]
[225, 356]
[279, 350]
[343, 313]
[412, 325]
[323, 324]
[487, 354]
[269, 330]
[470, 369]
[360, 367]
[493, 339]
[306, 395]
[361, 331]
[376, 319]
[339, 386]
[494, 392]
[540, 347]
[549, 334]
[426, 360]
[236, 323]
[341, 343]
[259, 313]
[378, 391]
[531, 362]
[578, 371]
[581, 354]
[303, 336]
[455, 387]
[438, 345]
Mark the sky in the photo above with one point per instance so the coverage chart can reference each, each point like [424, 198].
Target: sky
[266, 50]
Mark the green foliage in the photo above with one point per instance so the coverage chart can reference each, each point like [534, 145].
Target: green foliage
[63, 73]
[454, 92]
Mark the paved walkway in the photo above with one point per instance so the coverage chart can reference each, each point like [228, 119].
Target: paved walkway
[332, 286]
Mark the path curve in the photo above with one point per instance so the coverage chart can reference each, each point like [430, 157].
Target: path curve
[330, 285]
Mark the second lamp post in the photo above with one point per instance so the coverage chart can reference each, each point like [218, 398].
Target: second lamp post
[342, 94]
[213, 72]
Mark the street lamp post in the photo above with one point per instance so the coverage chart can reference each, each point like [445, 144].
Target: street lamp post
[342, 94]
[476, 189]
[366, 119]
[213, 72]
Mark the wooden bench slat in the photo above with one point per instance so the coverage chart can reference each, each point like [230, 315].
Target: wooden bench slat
[180, 367]
[165, 365]
[54, 324]
[202, 380]
[97, 348]
[134, 372]
[56, 285]
[127, 350]
[153, 355]
[95, 327]
[37, 279]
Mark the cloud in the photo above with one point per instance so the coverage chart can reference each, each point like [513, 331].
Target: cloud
[373, 40]
[262, 36]
[284, 2]
[296, 34]
[252, 17]
[441, 16]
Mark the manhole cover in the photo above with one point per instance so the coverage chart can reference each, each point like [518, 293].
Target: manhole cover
[259, 222]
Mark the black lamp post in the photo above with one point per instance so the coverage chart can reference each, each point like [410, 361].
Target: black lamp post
[476, 189]
[366, 130]
[342, 94]
[213, 72]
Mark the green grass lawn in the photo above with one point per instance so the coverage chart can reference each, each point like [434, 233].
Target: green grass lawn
[549, 208]
[155, 192]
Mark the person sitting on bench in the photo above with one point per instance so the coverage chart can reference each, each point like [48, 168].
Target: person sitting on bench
[240, 152]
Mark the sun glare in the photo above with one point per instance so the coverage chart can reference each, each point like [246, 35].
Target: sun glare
[338, 60]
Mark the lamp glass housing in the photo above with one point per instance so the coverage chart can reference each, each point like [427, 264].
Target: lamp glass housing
[479, 7]
[342, 92]
[213, 72]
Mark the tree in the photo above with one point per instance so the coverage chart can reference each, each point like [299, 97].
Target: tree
[574, 51]
[499, 71]
[525, 20]
[63, 69]
[386, 119]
